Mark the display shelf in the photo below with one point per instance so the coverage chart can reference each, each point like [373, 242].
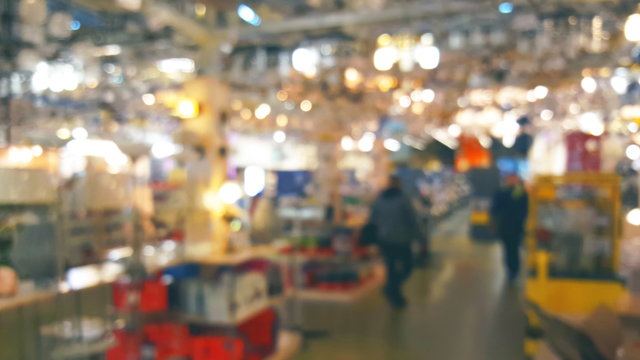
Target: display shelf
[200, 320]
[226, 260]
[289, 343]
[82, 350]
[344, 296]
[26, 298]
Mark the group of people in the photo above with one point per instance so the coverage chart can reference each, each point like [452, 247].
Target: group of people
[394, 224]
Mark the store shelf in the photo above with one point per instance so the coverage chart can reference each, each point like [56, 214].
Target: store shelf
[346, 296]
[82, 350]
[289, 344]
[29, 298]
[227, 260]
[200, 320]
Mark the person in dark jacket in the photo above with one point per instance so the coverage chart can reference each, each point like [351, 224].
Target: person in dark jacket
[397, 227]
[509, 210]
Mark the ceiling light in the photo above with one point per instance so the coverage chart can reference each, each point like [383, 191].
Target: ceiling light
[632, 28]
[589, 85]
[352, 75]
[248, 15]
[405, 101]
[75, 25]
[619, 84]
[509, 141]
[246, 114]
[282, 120]
[416, 95]
[505, 8]
[384, 58]
[282, 95]
[63, 133]
[546, 115]
[306, 106]
[187, 109]
[541, 92]
[633, 152]
[149, 99]
[384, 40]
[165, 149]
[392, 145]
[200, 9]
[262, 111]
[279, 136]
[230, 193]
[428, 57]
[633, 217]
[79, 133]
[367, 142]
[347, 143]
[454, 130]
[36, 150]
[176, 65]
[305, 61]
[131, 5]
[486, 141]
[428, 95]
[255, 179]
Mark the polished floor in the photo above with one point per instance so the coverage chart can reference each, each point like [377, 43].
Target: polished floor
[460, 309]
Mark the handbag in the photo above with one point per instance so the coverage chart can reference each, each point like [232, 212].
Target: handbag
[369, 235]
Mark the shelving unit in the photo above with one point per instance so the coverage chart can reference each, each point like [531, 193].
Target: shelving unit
[345, 296]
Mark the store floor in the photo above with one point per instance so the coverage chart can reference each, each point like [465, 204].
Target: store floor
[459, 309]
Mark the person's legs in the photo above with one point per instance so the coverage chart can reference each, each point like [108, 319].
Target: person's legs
[405, 259]
[393, 263]
[512, 257]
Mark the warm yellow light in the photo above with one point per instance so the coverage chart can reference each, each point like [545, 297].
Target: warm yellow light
[632, 28]
[282, 95]
[384, 40]
[306, 106]
[149, 99]
[246, 114]
[36, 150]
[385, 57]
[386, 83]
[212, 202]
[92, 84]
[200, 9]
[63, 133]
[230, 193]
[262, 111]
[351, 74]
[187, 109]
[282, 120]
[20, 155]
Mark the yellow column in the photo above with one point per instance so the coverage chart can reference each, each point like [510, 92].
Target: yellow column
[207, 232]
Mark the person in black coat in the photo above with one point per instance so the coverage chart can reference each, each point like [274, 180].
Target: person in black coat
[509, 211]
[397, 228]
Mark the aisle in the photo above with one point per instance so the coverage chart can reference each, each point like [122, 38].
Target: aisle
[458, 309]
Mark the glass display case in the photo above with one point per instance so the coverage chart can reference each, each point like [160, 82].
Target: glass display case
[575, 218]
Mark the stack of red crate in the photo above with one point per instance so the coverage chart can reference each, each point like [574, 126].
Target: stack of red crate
[261, 334]
[171, 340]
[154, 296]
[127, 346]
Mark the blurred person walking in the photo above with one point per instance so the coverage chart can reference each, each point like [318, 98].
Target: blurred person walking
[396, 228]
[509, 211]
